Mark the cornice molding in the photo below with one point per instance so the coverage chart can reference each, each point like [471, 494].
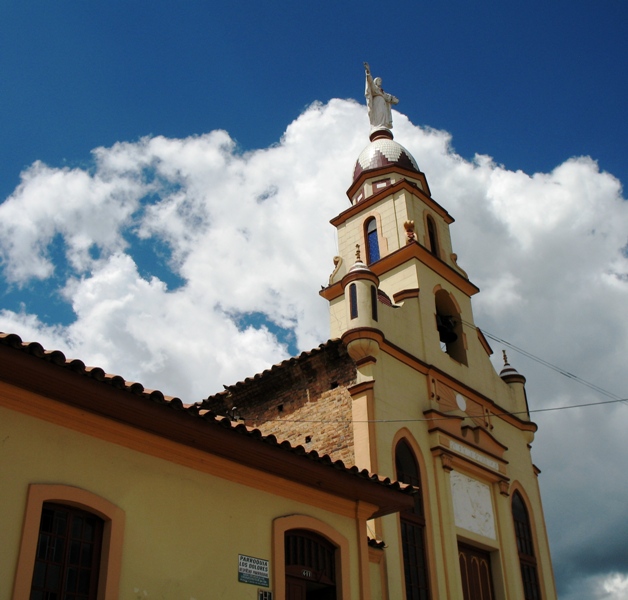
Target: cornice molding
[404, 184]
[379, 172]
[405, 254]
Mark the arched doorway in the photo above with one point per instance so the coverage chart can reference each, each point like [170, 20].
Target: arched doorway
[310, 566]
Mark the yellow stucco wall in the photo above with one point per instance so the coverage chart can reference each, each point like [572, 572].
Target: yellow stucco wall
[401, 397]
[184, 528]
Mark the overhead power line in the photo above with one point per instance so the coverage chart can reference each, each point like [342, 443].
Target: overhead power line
[614, 399]
[445, 418]
[549, 365]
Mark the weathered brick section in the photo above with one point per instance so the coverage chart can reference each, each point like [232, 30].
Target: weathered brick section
[303, 400]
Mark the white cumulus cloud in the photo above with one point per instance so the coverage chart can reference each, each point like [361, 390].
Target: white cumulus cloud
[245, 243]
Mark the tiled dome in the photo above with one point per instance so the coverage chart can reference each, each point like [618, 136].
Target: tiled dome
[383, 152]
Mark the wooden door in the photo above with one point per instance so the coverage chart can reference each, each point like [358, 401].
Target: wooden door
[475, 570]
[296, 589]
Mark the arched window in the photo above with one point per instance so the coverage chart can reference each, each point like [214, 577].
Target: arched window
[432, 236]
[71, 545]
[449, 325]
[68, 554]
[412, 527]
[372, 242]
[302, 543]
[525, 547]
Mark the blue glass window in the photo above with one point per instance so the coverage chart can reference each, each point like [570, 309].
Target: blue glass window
[372, 242]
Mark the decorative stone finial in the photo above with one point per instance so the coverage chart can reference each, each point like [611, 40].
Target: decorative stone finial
[409, 227]
[378, 102]
[506, 363]
[357, 253]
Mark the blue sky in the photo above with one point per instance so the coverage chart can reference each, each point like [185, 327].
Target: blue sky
[165, 167]
[530, 83]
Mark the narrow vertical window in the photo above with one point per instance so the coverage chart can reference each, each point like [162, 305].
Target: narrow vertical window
[372, 242]
[374, 303]
[412, 527]
[353, 301]
[431, 234]
[68, 554]
[525, 547]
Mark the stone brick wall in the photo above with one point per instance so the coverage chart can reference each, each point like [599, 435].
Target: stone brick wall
[304, 400]
[321, 423]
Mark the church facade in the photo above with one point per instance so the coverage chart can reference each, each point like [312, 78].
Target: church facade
[406, 388]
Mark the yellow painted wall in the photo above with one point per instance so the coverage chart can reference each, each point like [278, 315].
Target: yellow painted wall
[401, 395]
[184, 528]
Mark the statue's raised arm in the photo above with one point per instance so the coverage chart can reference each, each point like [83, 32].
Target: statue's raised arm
[378, 102]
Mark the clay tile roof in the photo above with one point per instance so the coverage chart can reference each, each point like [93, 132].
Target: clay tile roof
[57, 357]
[384, 298]
[289, 362]
[136, 390]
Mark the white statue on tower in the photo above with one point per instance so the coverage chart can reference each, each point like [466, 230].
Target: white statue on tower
[378, 102]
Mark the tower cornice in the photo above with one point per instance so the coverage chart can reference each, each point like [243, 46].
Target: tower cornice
[381, 171]
[412, 251]
[404, 184]
[420, 253]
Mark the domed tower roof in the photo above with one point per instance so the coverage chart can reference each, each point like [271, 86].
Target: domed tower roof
[509, 374]
[359, 266]
[383, 151]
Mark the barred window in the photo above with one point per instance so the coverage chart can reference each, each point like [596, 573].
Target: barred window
[525, 547]
[412, 527]
[68, 554]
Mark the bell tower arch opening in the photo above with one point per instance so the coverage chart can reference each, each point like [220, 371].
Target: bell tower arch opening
[449, 325]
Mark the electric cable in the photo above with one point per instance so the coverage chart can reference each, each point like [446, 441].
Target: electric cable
[614, 399]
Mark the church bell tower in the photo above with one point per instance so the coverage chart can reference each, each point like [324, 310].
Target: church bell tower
[428, 407]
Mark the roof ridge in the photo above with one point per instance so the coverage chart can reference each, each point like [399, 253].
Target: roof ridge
[274, 369]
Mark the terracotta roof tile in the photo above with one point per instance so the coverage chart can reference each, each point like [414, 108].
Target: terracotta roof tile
[289, 362]
[57, 358]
